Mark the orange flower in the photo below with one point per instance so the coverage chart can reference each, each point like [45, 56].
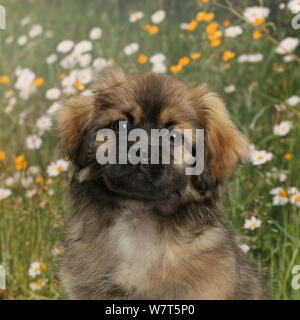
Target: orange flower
[176, 68]
[184, 61]
[20, 163]
[142, 58]
[209, 17]
[153, 29]
[204, 1]
[226, 23]
[147, 26]
[201, 16]
[211, 28]
[256, 35]
[48, 181]
[78, 85]
[38, 82]
[2, 155]
[196, 55]
[39, 180]
[4, 79]
[228, 55]
[44, 267]
[192, 25]
[215, 36]
[215, 43]
[258, 21]
[288, 156]
[227, 66]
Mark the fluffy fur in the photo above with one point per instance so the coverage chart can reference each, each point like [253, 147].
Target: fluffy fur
[151, 232]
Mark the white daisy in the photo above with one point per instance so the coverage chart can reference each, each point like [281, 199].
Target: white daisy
[244, 247]
[260, 157]
[294, 6]
[55, 168]
[233, 31]
[30, 193]
[131, 48]
[293, 101]
[37, 285]
[83, 46]
[4, 193]
[295, 199]
[157, 58]
[34, 170]
[158, 16]
[57, 251]
[243, 58]
[22, 40]
[280, 196]
[135, 16]
[84, 60]
[252, 223]
[283, 128]
[95, 33]
[253, 13]
[183, 25]
[229, 89]
[159, 67]
[256, 57]
[53, 93]
[35, 269]
[33, 142]
[26, 181]
[51, 59]
[35, 30]
[65, 46]
[288, 44]
[288, 58]
[69, 61]
[54, 107]
[10, 181]
[44, 123]
[99, 64]
[85, 75]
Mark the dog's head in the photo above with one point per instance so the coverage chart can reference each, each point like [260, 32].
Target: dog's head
[149, 102]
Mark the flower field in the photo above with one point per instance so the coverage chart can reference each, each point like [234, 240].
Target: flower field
[248, 51]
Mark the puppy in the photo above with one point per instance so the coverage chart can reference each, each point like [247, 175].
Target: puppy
[143, 231]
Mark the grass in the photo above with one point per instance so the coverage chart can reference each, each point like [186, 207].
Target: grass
[31, 227]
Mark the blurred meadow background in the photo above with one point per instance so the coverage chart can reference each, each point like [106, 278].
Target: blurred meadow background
[247, 51]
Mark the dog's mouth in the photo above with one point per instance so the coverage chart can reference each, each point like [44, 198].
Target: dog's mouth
[140, 181]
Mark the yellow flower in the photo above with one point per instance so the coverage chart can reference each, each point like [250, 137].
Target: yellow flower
[288, 156]
[184, 61]
[258, 21]
[215, 43]
[62, 76]
[142, 58]
[153, 29]
[78, 85]
[283, 193]
[176, 68]
[228, 55]
[27, 243]
[4, 79]
[20, 163]
[196, 55]
[226, 23]
[44, 267]
[192, 25]
[212, 28]
[204, 1]
[256, 35]
[209, 17]
[227, 66]
[38, 82]
[48, 181]
[215, 36]
[147, 26]
[2, 155]
[39, 180]
[201, 16]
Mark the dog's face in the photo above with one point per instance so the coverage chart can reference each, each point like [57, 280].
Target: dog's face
[149, 102]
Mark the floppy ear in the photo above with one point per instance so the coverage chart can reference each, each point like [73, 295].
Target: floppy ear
[226, 145]
[73, 119]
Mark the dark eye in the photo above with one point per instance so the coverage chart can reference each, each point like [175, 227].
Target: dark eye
[170, 124]
[118, 124]
[175, 136]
